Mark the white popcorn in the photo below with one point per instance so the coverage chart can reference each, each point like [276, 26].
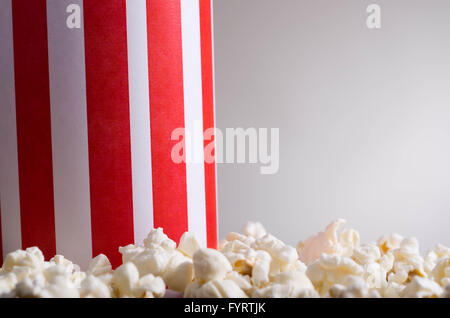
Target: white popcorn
[277, 249]
[290, 284]
[125, 278]
[276, 266]
[157, 238]
[129, 252]
[434, 256]
[421, 287]
[210, 265]
[387, 262]
[298, 265]
[33, 277]
[446, 293]
[99, 266]
[29, 259]
[261, 269]
[60, 283]
[297, 279]
[127, 283]
[215, 289]
[21, 272]
[36, 278]
[366, 253]
[392, 290]
[160, 257]
[150, 286]
[234, 236]
[328, 242]
[348, 240]
[253, 264]
[106, 278]
[192, 290]
[179, 272]
[407, 262]
[441, 272]
[240, 255]
[400, 276]
[30, 287]
[77, 277]
[409, 246]
[67, 264]
[329, 270]
[375, 265]
[152, 261]
[242, 250]
[94, 287]
[374, 275]
[254, 229]
[188, 244]
[221, 244]
[387, 243]
[283, 291]
[353, 287]
[8, 281]
[243, 281]
[228, 289]
[53, 282]
[73, 270]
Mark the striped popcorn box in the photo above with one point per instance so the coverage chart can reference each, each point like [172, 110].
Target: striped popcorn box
[90, 93]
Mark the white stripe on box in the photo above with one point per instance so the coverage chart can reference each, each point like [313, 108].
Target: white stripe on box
[139, 118]
[193, 114]
[9, 171]
[69, 134]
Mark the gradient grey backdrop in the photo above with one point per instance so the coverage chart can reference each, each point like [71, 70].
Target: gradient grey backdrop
[364, 115]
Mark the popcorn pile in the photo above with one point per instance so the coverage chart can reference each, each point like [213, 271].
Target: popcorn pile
[251, 264]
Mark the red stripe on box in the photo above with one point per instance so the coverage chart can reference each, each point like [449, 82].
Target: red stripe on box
[208, 118]
[108, 126]
[166, 114]
[34, 141]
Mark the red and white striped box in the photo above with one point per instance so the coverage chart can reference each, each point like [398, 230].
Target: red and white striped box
[86, 119]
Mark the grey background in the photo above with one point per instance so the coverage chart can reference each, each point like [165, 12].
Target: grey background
[364, 115]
